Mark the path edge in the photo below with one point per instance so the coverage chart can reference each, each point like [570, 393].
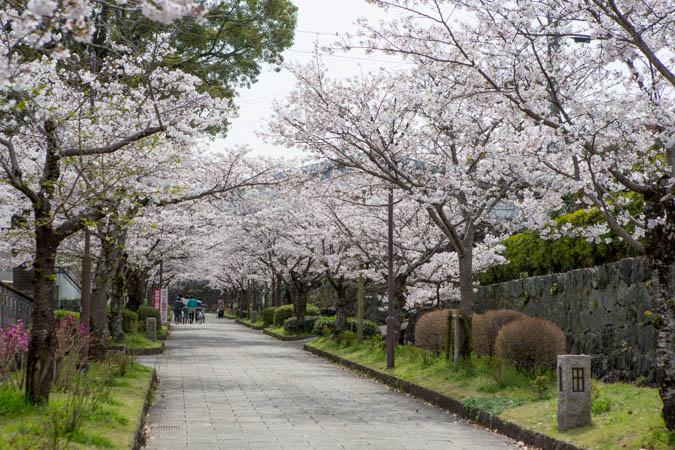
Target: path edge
[284, 338]
[139, 435]
[254, 327]
[449, 404]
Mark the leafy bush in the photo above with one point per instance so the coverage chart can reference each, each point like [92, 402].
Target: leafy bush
[326, 325]
[284, 312]
[308, 323]
[268, 315]
[346, 338]
[61, 314]
[145, 311]
[486, 326]
[530, 255]
[530, 343]
[430, 330]
[130, 321]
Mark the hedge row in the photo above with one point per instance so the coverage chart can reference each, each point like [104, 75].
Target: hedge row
[326, 325]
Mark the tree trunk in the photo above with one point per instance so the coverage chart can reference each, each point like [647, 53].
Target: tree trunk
[136, 283]
[360, 308]
[399, 304]
[299, 291]
[466, 291]
[42, 347]
[340, 304]
[117, 307]
[99, 300]
[660, 252]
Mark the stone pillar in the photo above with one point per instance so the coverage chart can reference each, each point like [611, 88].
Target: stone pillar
[574, 391]
[151, 328]
[456, 316]
[254, 316]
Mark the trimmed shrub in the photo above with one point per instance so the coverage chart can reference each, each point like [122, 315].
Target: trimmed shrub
[327, 324]
[268, 315]
[430, 331]
[284, 312]
[530, 343]
[486, 326]
[130, 321]
[308, 323]
[145, 311]
[61, 314]
[346, 338]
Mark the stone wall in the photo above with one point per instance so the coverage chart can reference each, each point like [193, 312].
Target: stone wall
[600, 310]
[14, 305]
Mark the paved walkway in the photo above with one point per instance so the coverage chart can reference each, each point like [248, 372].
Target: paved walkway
[224, 386]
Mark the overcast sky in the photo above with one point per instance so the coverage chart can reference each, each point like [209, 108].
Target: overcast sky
[322, 20]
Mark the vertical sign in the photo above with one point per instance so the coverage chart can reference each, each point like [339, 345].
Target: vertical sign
[156, 299]
[164, 302]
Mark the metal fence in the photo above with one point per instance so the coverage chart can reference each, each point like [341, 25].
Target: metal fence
[14, 306]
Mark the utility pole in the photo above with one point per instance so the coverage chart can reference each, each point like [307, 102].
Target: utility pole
[390, 281]
[85, 296]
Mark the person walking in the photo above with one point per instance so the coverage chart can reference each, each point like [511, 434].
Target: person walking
[178, 310]
[192, 308]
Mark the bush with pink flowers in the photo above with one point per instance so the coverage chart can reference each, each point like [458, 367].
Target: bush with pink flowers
[13, 348]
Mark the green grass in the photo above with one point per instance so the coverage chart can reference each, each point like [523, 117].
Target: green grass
[258, 323]
[135, 341]
[622, 413]
[283, 332]
[230, 314]
[112, 425]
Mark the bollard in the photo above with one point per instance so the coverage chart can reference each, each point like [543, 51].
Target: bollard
[151, 328]
[574, 391]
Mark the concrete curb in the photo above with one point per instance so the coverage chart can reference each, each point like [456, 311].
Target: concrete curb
[285, 338]
[246, 324]
[449, 404]
[139, 435]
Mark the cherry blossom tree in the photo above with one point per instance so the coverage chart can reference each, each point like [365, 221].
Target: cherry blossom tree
[591, 86]
[409, 131]
[62, 117]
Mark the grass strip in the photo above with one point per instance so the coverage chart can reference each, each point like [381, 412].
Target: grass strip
[112, 425]
[622, 413]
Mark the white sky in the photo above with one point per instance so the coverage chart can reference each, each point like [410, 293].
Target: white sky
[321, 20]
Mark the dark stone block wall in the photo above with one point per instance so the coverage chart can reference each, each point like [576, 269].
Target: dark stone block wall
[603, 312]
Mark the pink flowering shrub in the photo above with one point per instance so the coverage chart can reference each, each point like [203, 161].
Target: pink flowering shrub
[72, 339]
[13, 348]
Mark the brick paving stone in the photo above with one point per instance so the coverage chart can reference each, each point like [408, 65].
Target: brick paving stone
[225, 386]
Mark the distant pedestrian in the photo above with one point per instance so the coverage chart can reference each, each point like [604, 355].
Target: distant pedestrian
[192, 308]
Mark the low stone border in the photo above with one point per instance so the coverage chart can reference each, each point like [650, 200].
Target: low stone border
[255, 327]
[148, 351]
[281, 337]
[449, 404]
[139, 435]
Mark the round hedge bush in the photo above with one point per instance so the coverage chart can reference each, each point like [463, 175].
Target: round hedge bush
[430, 330]
[268, 315]
[530, 343]
[486, 326]
[145, 311]
[130, 321]
[285, 312]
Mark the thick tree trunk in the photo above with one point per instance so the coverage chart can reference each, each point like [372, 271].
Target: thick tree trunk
[299, 291]
[103, 279]
[660, 252]
[42, 347]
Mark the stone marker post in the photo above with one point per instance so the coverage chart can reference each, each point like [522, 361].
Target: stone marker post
[574, 391]
[151, 328]
[254, 316]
